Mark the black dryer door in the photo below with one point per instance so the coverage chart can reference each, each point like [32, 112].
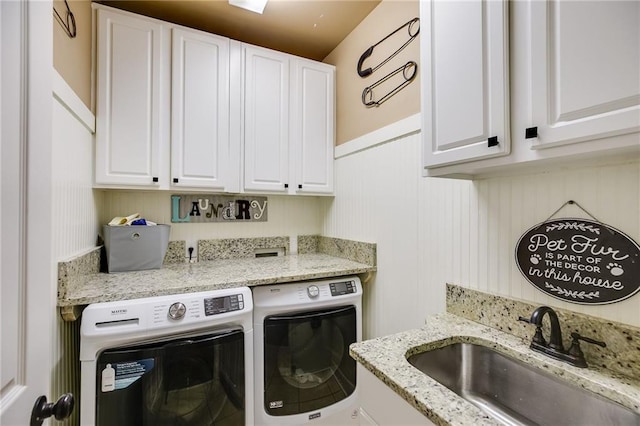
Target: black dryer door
[306, 361]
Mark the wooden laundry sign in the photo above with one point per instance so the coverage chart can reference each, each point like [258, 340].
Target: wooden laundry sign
[198, 208]
[580, 261]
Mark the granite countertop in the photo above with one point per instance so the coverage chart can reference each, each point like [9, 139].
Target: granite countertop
[386, 357]
[206, 275]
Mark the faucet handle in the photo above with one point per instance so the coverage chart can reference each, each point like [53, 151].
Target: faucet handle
[576, 338]
[537, 337]
[576, 352]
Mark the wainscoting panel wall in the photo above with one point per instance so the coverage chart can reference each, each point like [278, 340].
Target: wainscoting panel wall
[433, 231]
[75, 219]
[75, 205]
[377, 192]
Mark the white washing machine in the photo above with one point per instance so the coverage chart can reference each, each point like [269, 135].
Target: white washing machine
[183, 359]
[302, 333]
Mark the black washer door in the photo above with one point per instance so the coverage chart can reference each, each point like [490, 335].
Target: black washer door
[188, 381]
[306, 361]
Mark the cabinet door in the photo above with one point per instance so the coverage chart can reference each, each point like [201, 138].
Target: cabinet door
[585, 59]
[465, 84]
[312, 127]
[266, 120]
[199, 109]
[128, 108]
[382, 406]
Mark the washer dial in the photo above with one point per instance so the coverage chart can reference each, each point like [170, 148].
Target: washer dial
[177, 311]
[313, 291]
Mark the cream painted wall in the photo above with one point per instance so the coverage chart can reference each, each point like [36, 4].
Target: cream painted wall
[288, 216]
[354, 118]
[72, 56]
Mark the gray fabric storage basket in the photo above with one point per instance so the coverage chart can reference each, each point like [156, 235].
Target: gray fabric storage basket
[136, 247]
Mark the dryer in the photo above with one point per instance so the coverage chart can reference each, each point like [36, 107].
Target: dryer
[181, 359]
[302, 333]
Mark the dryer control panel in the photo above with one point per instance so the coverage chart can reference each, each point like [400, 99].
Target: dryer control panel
[301, 295]
[342, 287]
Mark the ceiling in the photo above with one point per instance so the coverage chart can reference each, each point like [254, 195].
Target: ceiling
[307, 28]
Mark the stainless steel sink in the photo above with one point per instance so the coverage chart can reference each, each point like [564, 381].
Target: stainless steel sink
[515, 393]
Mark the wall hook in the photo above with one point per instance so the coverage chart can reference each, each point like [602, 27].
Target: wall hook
[572, 202]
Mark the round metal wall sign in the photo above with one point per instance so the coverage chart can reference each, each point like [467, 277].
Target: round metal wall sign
[580, 261]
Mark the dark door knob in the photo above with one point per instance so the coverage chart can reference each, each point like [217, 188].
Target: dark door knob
[60, 410]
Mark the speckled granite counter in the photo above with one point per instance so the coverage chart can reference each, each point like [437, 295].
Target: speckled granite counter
[207, 275]
[386, 357]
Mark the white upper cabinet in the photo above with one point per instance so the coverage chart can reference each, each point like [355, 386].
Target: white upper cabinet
[574, 75]
[465, 83]
[585, 59]
[312, 127]
[199, 110]
[289, 123]
[128, 109]
[266, 120]
[179, 108]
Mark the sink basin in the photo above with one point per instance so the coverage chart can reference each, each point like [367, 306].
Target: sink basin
[515, 393]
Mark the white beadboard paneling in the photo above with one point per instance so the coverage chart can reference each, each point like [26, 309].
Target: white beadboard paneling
[376, 196]
[66, 367]
[75, 206]
[74, 215]
[610, 193]
[473, 238]
[468, 259]
[520, 191]
[482, 195]
[431, 231]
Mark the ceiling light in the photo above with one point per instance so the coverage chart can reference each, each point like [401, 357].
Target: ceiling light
[256, 6]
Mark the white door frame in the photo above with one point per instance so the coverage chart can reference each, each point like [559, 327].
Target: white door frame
[27, 63]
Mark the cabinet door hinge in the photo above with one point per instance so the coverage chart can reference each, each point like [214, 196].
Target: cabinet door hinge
[492, 141]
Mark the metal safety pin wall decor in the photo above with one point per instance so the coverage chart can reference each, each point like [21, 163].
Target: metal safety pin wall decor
[412, 25]
[408, 72]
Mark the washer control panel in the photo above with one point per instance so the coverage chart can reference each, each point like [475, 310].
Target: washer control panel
[220, 305]
[342, 287]
[154, 315]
